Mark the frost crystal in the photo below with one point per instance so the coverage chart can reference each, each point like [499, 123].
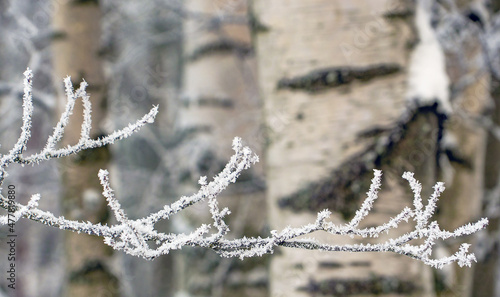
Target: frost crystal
[139, 237]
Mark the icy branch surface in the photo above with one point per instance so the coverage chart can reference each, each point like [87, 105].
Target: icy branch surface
[139, 237]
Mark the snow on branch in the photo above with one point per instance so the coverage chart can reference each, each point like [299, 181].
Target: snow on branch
[139, 237]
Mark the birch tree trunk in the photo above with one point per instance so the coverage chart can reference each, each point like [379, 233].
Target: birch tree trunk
[76, 45]
[464, 149]
[219, 101]
[346, 89]
[144, 56]
[486, 272]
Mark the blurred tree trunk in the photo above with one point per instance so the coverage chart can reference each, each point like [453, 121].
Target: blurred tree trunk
[145, 56]
[486, 273]
[334, 76]
[463, 149]
[76, 46]
[219, 101]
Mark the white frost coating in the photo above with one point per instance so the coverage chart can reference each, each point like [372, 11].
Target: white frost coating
[139, 237]
[428, 81]
[367, 205]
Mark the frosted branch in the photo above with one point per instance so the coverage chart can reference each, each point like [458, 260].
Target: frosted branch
[139, 237]
[368, 203]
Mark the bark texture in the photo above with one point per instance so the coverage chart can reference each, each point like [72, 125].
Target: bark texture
[220, 101]
[76, 47]
[334, 78]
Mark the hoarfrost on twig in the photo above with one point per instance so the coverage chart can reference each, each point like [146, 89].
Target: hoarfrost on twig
[139, 237]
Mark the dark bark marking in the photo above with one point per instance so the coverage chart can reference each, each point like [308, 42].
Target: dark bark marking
[58, 35]
[475, 17]
[330, 265]
[322, 79]
[226, 103]
[85, 2]
[372, 286]
[92, 155]
[256, 26]
[402, 14]
[221, 46]
[89, 272]
[360, 264]
[343, 190]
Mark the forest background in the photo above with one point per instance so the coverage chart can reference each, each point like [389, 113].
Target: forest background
[323, 91]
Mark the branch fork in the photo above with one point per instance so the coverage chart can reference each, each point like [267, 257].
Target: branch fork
[139, 237]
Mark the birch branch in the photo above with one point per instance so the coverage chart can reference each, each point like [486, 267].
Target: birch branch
[139, 237]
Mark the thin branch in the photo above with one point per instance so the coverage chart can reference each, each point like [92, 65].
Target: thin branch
[139, 237]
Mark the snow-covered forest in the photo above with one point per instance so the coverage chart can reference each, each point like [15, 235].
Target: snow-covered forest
[236, 148]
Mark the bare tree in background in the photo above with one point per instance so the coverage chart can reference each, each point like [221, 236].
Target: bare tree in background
[350, 86]
[219, 83]
[77, 26]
